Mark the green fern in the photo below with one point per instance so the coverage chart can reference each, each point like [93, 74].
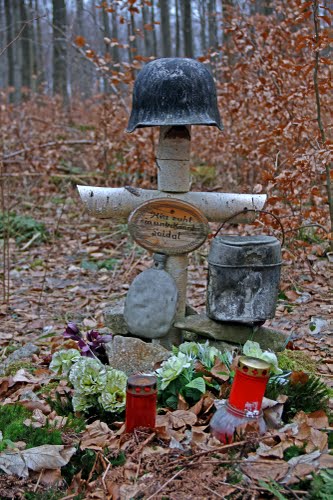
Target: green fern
[21, 227]
[310, 396]
[322, 485]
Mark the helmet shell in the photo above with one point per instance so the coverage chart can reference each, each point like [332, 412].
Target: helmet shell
[174, 91]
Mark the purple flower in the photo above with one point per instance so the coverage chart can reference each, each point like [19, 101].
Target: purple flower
[72, 331]
[93, 346]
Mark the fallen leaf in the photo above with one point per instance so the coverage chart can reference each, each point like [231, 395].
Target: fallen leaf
[182, 404]
[326, 461]
[276, 470]
[272, 413]
[97, 436]
[49, 477]
[42, 457]
[317, 419]
[181, 418]
[220, 372]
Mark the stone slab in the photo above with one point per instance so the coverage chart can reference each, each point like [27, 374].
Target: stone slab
[133, 355]
[24, 352]
[114, 318]
[234, 333]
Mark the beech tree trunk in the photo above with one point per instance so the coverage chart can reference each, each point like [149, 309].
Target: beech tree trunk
[59, 49]
[202, 16]
[187, 28]
[10, 55]
[212, 24]
[165, 28]
[177, 28]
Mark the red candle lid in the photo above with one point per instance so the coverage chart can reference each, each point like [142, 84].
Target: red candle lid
[142, 384]
[253, 367]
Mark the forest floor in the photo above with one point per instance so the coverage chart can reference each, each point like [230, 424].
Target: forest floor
[83, 265]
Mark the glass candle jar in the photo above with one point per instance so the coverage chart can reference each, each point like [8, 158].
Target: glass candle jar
[245, 400]
[141, 399]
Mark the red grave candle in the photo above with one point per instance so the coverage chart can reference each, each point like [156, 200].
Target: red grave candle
[141, 399]
[245, 399]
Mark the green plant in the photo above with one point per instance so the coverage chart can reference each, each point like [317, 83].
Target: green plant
[305, 393]
[274, 488]
[293, 451]
[81, 461]
[179, 375]
[22, 228]
[13, 429]
[322, 485]
[96, 386]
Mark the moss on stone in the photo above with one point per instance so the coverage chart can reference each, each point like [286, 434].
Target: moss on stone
[296, 361]
[18, 365]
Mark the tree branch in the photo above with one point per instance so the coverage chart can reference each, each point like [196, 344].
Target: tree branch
[24, 25]
[47, 145]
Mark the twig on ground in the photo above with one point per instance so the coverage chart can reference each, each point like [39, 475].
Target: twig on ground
[212, 491]
[142, 445]
[165, 484]
[38, 481]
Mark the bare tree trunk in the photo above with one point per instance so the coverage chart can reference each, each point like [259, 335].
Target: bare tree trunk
[165, 28]
[177, 28]
[155, 53]
[9, 38]
[187, 28]
[146, 34]
[17, 51]
[227, 6]
[212, 24]
[39, 56]
[59, 50]
[115, 50]
[202, 16]
[133, 40]
[107, 34]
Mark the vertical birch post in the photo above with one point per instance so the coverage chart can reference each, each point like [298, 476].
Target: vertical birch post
[173, 176]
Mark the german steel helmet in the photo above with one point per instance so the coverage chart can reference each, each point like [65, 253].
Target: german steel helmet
[174, 91]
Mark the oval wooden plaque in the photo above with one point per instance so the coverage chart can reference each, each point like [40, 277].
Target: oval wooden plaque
[169, 226]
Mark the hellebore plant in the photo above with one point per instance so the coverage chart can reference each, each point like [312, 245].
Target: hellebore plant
[253, 350]
[95, 384]
[93, 346]
[180, 374]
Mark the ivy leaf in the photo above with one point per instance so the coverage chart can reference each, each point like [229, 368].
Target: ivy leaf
[198, 383]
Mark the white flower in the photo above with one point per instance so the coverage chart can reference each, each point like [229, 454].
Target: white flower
[113, 396]
[173, 367]
[88, 376]
[253, 350]
[62, 361]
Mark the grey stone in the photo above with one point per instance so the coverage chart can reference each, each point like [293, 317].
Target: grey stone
[29, 396]
[151, 304]
[221, 345]
[26, 351]
[114, 318]
[133, 355]
[235, 333]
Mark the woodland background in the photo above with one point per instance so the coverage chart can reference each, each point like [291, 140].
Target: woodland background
[66, 77]
[67, 70]
[67, 73]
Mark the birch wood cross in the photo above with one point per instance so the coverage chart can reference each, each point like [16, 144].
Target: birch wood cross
[173, 164]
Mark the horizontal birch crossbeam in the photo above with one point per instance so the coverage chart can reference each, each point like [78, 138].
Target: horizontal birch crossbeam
[118, 203]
